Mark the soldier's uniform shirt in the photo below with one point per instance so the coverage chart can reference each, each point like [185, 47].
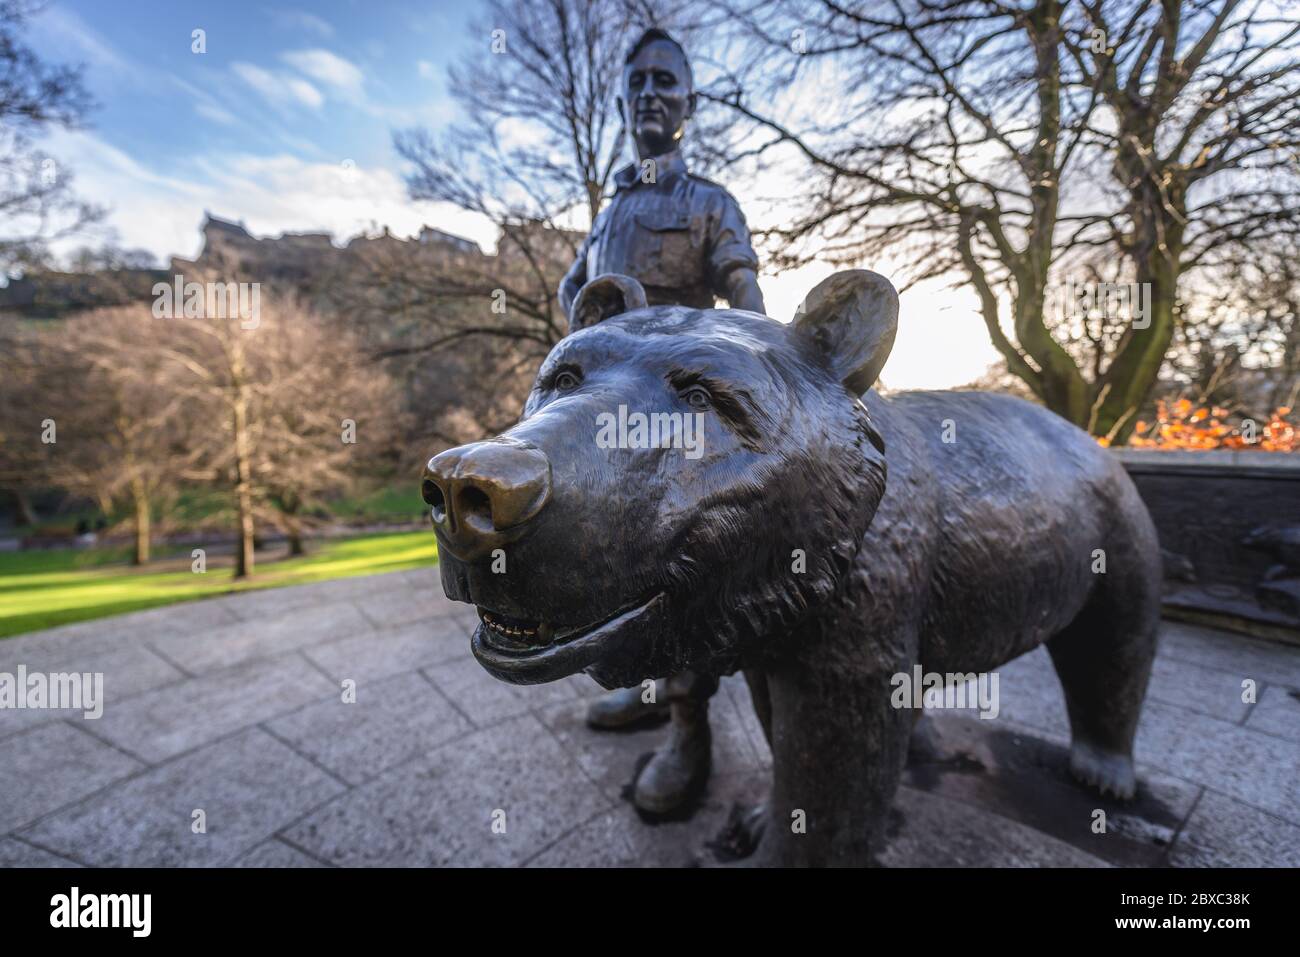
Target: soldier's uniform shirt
[679, 236]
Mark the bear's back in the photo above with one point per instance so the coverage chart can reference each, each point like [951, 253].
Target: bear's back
[987, 487]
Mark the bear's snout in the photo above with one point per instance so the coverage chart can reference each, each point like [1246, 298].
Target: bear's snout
[483, 495]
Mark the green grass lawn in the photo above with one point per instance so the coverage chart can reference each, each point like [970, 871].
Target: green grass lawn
[388, 502]
[40, 589]
[196, 508]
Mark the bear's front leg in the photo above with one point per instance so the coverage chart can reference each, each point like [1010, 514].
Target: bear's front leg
[838, 750]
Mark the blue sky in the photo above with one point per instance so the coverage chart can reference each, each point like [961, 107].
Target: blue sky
[285, 121]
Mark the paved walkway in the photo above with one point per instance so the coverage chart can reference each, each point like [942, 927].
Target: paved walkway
[233, 707]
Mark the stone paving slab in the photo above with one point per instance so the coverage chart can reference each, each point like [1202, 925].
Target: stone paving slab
[373, 656]
[67, 640]
[48, 766]
[161, 724]
[1017, 774]
[1198, 688]
[178, 619]
[1222, 832]
[389, 722]
[735, 688]
[203, 652]
[461, 681]
[609, 758]
[1265, 661]
[234, 705]
[14, 853]
[272, 602]
[276, 853]
[1258, 769]
[190, 616]
[1182, 738]
[1277, 712]
[249, 786]
[933, 831]
[404, 606]
[128, 669]
[1030, 696]
[622, 837]
[441, 808]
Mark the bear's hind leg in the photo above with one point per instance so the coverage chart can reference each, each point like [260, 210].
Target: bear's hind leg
[1103, 659]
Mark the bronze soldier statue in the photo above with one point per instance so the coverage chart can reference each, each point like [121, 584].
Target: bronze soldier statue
[685, 240]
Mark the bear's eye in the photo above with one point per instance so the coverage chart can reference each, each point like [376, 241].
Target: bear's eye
[698, 397]
[565, 381]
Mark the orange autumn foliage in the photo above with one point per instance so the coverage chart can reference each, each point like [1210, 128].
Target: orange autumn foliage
[1184, 425]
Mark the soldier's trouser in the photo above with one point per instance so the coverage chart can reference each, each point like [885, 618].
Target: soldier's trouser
[689, 688]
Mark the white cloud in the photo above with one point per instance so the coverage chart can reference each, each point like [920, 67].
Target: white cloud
[304, 92]
[302, 20]
[278, 89]
[426, 70]
[218, 114]
[328, 69]
[270, 194]
[71, 30]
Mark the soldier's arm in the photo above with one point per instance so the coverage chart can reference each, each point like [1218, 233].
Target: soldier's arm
[733, 264]
[575, 278]
[743, 291]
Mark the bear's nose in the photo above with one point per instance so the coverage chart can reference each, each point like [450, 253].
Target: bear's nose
[483, 494]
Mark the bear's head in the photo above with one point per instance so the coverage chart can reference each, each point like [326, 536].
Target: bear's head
[684, 484]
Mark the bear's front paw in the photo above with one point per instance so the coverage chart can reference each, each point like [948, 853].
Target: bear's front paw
[740, 835]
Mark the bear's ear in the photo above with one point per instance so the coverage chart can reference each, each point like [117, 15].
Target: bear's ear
[605, 296]
[851, 318]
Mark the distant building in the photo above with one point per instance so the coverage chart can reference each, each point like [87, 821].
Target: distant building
[307, 261]
[430, 236]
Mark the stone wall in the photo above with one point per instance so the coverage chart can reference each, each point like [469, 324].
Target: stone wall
[1229, 525]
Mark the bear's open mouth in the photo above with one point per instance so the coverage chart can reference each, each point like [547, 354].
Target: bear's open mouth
[522, 636]
[526, 651]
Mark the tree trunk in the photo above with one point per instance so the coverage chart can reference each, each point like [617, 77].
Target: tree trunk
[25, 510]
[294, 531]
[142, 525]
[290, 506]
[243, 488]
[1159, 224]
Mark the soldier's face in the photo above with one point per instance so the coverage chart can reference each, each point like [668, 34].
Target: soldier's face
[657, 97]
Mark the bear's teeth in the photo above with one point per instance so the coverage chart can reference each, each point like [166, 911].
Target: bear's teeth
[509, 630]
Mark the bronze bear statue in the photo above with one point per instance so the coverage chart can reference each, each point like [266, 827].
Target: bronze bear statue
[821, 537]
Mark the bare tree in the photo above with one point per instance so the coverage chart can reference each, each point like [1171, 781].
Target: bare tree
[1239, 345]
[126, 433]
[325, 417]
[542, 143]
[295, 410]
[36, 199]
[955, 126]
[1203, 130]
[90, 409]
[36, 206]
[25, 415]
[976, 139]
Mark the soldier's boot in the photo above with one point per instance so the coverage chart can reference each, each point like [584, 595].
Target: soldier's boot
[679, 769]
[627, 706]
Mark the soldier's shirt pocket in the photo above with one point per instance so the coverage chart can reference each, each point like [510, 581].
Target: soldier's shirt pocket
[675, 258]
